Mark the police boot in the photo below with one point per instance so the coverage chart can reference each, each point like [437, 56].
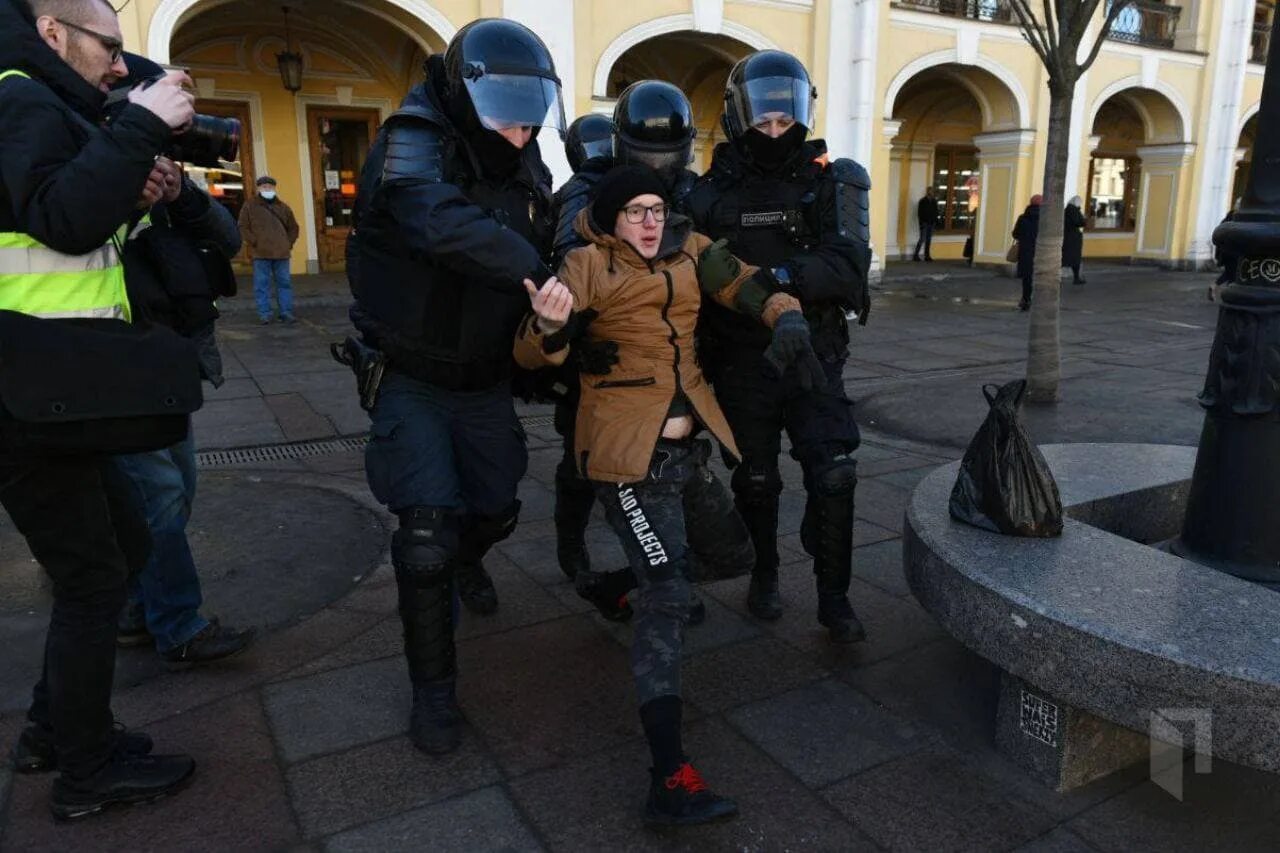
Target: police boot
[761, 517]
[574, 499]
[827, 535]
[420, 551]
[479, 533]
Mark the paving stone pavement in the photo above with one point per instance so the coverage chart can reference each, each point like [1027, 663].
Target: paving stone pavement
[301, 742]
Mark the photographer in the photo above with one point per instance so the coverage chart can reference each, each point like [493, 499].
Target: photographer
[67, 187]
[176, 259]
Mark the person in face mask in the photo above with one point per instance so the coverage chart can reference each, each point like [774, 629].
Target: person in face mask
[269, 230]
[781, 205]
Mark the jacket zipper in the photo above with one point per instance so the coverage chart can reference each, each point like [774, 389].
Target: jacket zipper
[671, 295]
[626, 383]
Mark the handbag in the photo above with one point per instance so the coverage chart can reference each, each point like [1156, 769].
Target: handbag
[1012, 255]
[71, 387]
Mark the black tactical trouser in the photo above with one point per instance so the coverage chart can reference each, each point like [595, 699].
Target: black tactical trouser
[657, 520]
[78, 521]
[759, 406]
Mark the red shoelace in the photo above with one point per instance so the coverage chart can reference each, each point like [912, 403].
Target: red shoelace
[686, 777]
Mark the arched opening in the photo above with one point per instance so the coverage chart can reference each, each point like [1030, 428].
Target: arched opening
[1137, 154]
[359, 60]
[699, 64]
[954, 136]
[1244, 153]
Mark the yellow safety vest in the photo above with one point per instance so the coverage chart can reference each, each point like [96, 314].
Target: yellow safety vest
[43, 282]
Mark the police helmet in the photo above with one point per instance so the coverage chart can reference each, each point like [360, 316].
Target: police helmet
[767, 84]
[506, 73]
[589, 136]
[653, 126]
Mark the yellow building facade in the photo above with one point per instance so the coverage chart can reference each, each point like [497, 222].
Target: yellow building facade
[941, 93]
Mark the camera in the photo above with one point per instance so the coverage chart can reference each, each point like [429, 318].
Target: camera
[205, 142]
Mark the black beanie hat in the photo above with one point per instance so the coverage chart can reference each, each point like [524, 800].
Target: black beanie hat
[618, 186]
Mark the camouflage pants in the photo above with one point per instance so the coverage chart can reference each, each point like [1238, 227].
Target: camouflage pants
[649, 518]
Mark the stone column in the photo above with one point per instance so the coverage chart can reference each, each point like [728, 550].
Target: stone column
[1004, 170]
[1228, 62]
[553, 21]
[1165, 171]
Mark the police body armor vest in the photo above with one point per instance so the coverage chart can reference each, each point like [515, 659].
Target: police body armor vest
[46, 283]
[766, 220]
[433, 323]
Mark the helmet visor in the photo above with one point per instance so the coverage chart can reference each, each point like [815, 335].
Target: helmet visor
[504, 101]
[602, 147]
[766, 98]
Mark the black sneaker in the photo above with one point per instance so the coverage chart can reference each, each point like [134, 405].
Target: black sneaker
[683, 799]
[607, 592]
[131, 628]
[124, 779]
[435, 723]
[475, 587]
[835, 613]
[35, 752]
[214, 642]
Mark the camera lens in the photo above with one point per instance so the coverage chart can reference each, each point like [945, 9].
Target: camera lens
[208, 140]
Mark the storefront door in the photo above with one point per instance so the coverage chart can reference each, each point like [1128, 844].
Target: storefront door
[340, 140]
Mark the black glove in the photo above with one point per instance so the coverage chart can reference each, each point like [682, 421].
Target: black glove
[595, 357]
[791, 348]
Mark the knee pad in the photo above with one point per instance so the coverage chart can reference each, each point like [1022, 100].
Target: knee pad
[756, 482]
[836, 474]
[479, 533]
[422, 549]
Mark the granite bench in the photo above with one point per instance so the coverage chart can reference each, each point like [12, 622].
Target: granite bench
[1099, 635]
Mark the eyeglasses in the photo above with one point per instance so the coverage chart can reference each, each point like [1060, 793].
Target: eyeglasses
[113, 45]
[636, 212]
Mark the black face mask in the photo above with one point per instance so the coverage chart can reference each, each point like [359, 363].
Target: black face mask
[497, 156]
[770, 153]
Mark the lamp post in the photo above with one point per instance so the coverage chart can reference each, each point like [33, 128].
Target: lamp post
[289, 63]
[1233, 511]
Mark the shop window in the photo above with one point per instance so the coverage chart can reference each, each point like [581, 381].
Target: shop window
[1113, 193]
[955, 185]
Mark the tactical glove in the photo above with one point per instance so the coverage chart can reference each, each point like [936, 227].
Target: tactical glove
[717, 267]
[791, 348]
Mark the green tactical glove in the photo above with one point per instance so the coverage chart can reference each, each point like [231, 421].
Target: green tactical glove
[791, 348]
[717, 267]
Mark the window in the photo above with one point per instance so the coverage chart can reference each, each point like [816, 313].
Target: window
[955, 185]
[1113, 191]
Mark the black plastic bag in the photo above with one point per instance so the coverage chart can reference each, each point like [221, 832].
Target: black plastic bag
[1005, 485]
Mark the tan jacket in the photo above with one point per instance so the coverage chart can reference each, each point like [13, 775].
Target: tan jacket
[268, 229]
[649, 309]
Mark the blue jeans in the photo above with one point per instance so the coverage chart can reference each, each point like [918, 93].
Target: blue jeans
[163, 486]
[264, 270]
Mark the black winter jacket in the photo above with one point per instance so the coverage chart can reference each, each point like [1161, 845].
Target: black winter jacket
[1025, 231]
[440, 249]
[63, 180]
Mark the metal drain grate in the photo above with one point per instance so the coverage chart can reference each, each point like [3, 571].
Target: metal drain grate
[278, 452]
[305, 449]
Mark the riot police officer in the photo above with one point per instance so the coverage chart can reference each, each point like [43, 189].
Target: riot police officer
[652, 126]
[453, 213]
[781, 205]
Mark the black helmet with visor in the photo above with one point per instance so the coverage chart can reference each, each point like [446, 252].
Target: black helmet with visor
[766, 85]
[589, 136]
[653, 126]
[507, 74]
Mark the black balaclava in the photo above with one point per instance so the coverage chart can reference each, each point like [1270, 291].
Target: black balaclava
[770, 153]
[497, 156]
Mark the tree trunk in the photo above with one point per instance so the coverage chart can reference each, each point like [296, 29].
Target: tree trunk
[1044, 356]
